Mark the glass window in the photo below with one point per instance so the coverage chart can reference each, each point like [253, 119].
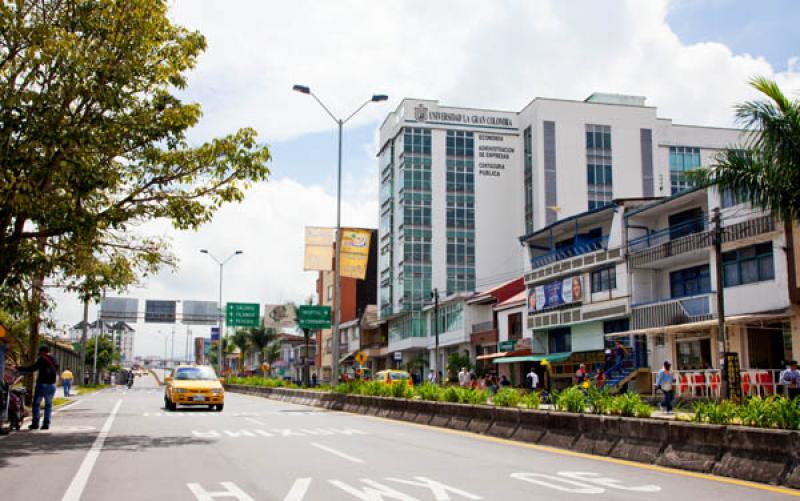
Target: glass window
[559, 340]
[681, 160]
[460, 211]
[748, 265]
[690, 281]
[599, 169]
[604, 279]
[527, 137]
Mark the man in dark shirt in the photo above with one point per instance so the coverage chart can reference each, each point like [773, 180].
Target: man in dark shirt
[45, 388]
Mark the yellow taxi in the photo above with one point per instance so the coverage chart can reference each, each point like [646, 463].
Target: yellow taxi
[193, 385]
[393, 376]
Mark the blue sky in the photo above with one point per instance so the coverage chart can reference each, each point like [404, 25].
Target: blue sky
[690, 58]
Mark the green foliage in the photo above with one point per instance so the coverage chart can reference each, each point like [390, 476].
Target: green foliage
[474, 397]
[757, 411]
[94, 143]
[571, 399]
[715, 412]
[106, 354]
[261, 381]
[600, 400]
[766, 169]
[451, 394]
[532, 400]
[429, 391]
[630, 405]
[507, 397]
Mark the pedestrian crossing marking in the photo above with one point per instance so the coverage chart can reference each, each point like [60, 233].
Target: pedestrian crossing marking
[276, 432]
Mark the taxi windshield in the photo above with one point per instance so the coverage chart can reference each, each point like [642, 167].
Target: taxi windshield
[195, 374]
[398, 375]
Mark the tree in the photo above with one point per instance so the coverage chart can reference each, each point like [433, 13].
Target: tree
[107, 356]
[455, 362]
[272, 353]
[241, 340]
[260, 338]
[93, 142]
[766, 169]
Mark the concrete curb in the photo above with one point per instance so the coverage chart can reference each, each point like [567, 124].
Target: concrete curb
[753, 454]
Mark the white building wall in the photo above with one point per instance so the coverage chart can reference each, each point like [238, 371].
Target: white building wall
[502, 321]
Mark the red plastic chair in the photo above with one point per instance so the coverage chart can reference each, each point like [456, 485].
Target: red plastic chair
[716, 380]
[746, 383]
[684, 383]
[765, 381]
[699, 383]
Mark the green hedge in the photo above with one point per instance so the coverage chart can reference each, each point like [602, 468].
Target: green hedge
[770, 412]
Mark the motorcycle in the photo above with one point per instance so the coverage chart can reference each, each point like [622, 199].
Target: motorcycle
[12, 407]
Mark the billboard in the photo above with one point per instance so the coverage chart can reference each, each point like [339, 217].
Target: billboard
[199, 312]
[553, 294]
[355, 253]
[319, 249]
[159, 312]
[119, 309]
[279, 316]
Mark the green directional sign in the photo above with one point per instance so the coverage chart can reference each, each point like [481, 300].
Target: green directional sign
[507, 345]
[242, 314]
[314, 317]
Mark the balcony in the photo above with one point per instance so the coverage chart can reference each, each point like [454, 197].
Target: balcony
[577, 249]
[676, 311]
[482, 327]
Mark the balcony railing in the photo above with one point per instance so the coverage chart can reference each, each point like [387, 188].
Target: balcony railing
[482, 327]
[674, 311]
[584, 247]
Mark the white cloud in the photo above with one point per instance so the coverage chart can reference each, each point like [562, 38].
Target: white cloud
[462, 52]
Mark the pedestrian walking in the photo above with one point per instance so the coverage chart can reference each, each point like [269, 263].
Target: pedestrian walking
[791, 378]
[619, 353]
[532, 380]
[66, 381]
[580, 374]
[431, 377]
[45, 388]
[600, 378]
[664, 382]
[314, 379]
[463, 377]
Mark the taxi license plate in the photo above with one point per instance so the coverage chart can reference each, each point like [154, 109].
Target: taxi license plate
[199, 398]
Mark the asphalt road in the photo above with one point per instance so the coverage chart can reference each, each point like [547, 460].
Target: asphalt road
[122, 445]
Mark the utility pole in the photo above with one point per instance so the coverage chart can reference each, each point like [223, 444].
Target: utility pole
[84, 337]
[435, 295]
[723, 339]
[305, 359]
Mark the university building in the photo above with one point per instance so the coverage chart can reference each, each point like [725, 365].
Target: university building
[472, 199]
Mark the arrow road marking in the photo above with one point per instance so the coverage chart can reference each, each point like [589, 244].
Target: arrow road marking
[337, 453]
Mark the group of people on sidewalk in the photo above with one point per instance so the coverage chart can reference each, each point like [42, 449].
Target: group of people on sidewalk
[489, 382]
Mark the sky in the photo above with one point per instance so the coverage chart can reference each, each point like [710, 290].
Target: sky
[690, 58]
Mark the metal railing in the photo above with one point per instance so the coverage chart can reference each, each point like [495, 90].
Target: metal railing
[668, 234]
[570, 251]
[707, 383]
[482, 327]
[674, 311]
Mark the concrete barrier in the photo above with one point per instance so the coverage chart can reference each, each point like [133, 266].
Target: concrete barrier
[757, 455]
[691, 446]
[505, 421]
[425, 411]
[641, 440]
[598, 434]
[563, 429]
[532, 426]
[462, 414]
[397, 407]
[444, 412]
[481, 419]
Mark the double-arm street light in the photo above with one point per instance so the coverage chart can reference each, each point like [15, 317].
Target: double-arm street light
[336, 302]
[221, 312]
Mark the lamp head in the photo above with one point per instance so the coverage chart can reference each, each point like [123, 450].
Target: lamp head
[204, 251]
[239, 252]
[301, 88]
[379, 97]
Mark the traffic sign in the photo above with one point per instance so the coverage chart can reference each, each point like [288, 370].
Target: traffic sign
[215, 334]
[242, 314]
[507, 345]
[398, 356]
[313, 317]
[361, 357]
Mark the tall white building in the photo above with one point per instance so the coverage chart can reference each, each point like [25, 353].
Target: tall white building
[122, 334]
[460, 186]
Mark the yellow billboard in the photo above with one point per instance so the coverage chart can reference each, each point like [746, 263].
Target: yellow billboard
[355, 253]
[319, 249]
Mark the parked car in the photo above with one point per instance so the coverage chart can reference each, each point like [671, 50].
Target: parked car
[394, 376]
[193, 385]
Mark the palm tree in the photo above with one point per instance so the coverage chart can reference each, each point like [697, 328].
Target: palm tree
[766, 170]
[260, 337]
[241, 340]
[272, 353]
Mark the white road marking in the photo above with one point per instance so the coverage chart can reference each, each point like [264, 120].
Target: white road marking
[438, 489]
[298, 490]
[75, 489]
[337, 453]
[558, 484]
[595, 478]
[256, 421]
[231, 491]
[374, 492]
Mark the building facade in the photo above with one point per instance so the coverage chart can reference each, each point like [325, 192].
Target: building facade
[458, 186]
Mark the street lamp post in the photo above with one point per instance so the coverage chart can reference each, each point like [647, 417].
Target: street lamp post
[303, 89]
[220, 311]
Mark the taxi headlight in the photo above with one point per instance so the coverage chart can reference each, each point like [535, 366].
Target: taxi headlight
[216, 390]
[181, 390]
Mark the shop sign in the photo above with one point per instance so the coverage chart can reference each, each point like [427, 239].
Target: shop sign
[733, 375]
[553, 294]
[398, 356]
[507, 345]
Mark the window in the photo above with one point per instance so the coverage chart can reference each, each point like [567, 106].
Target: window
[515, 326]
[604, 279]
[681, 160]
[686, 223]
[330, 293]
[690, 281]
[460, 214]
[599, 175]
[451, 317]
[729, 198]
[559, 340]
[527, 142]
[748, 265]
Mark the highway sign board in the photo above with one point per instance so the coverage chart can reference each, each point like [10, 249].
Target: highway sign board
[243, 314]
[361, 357]
[159, 312]
[313, 317]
